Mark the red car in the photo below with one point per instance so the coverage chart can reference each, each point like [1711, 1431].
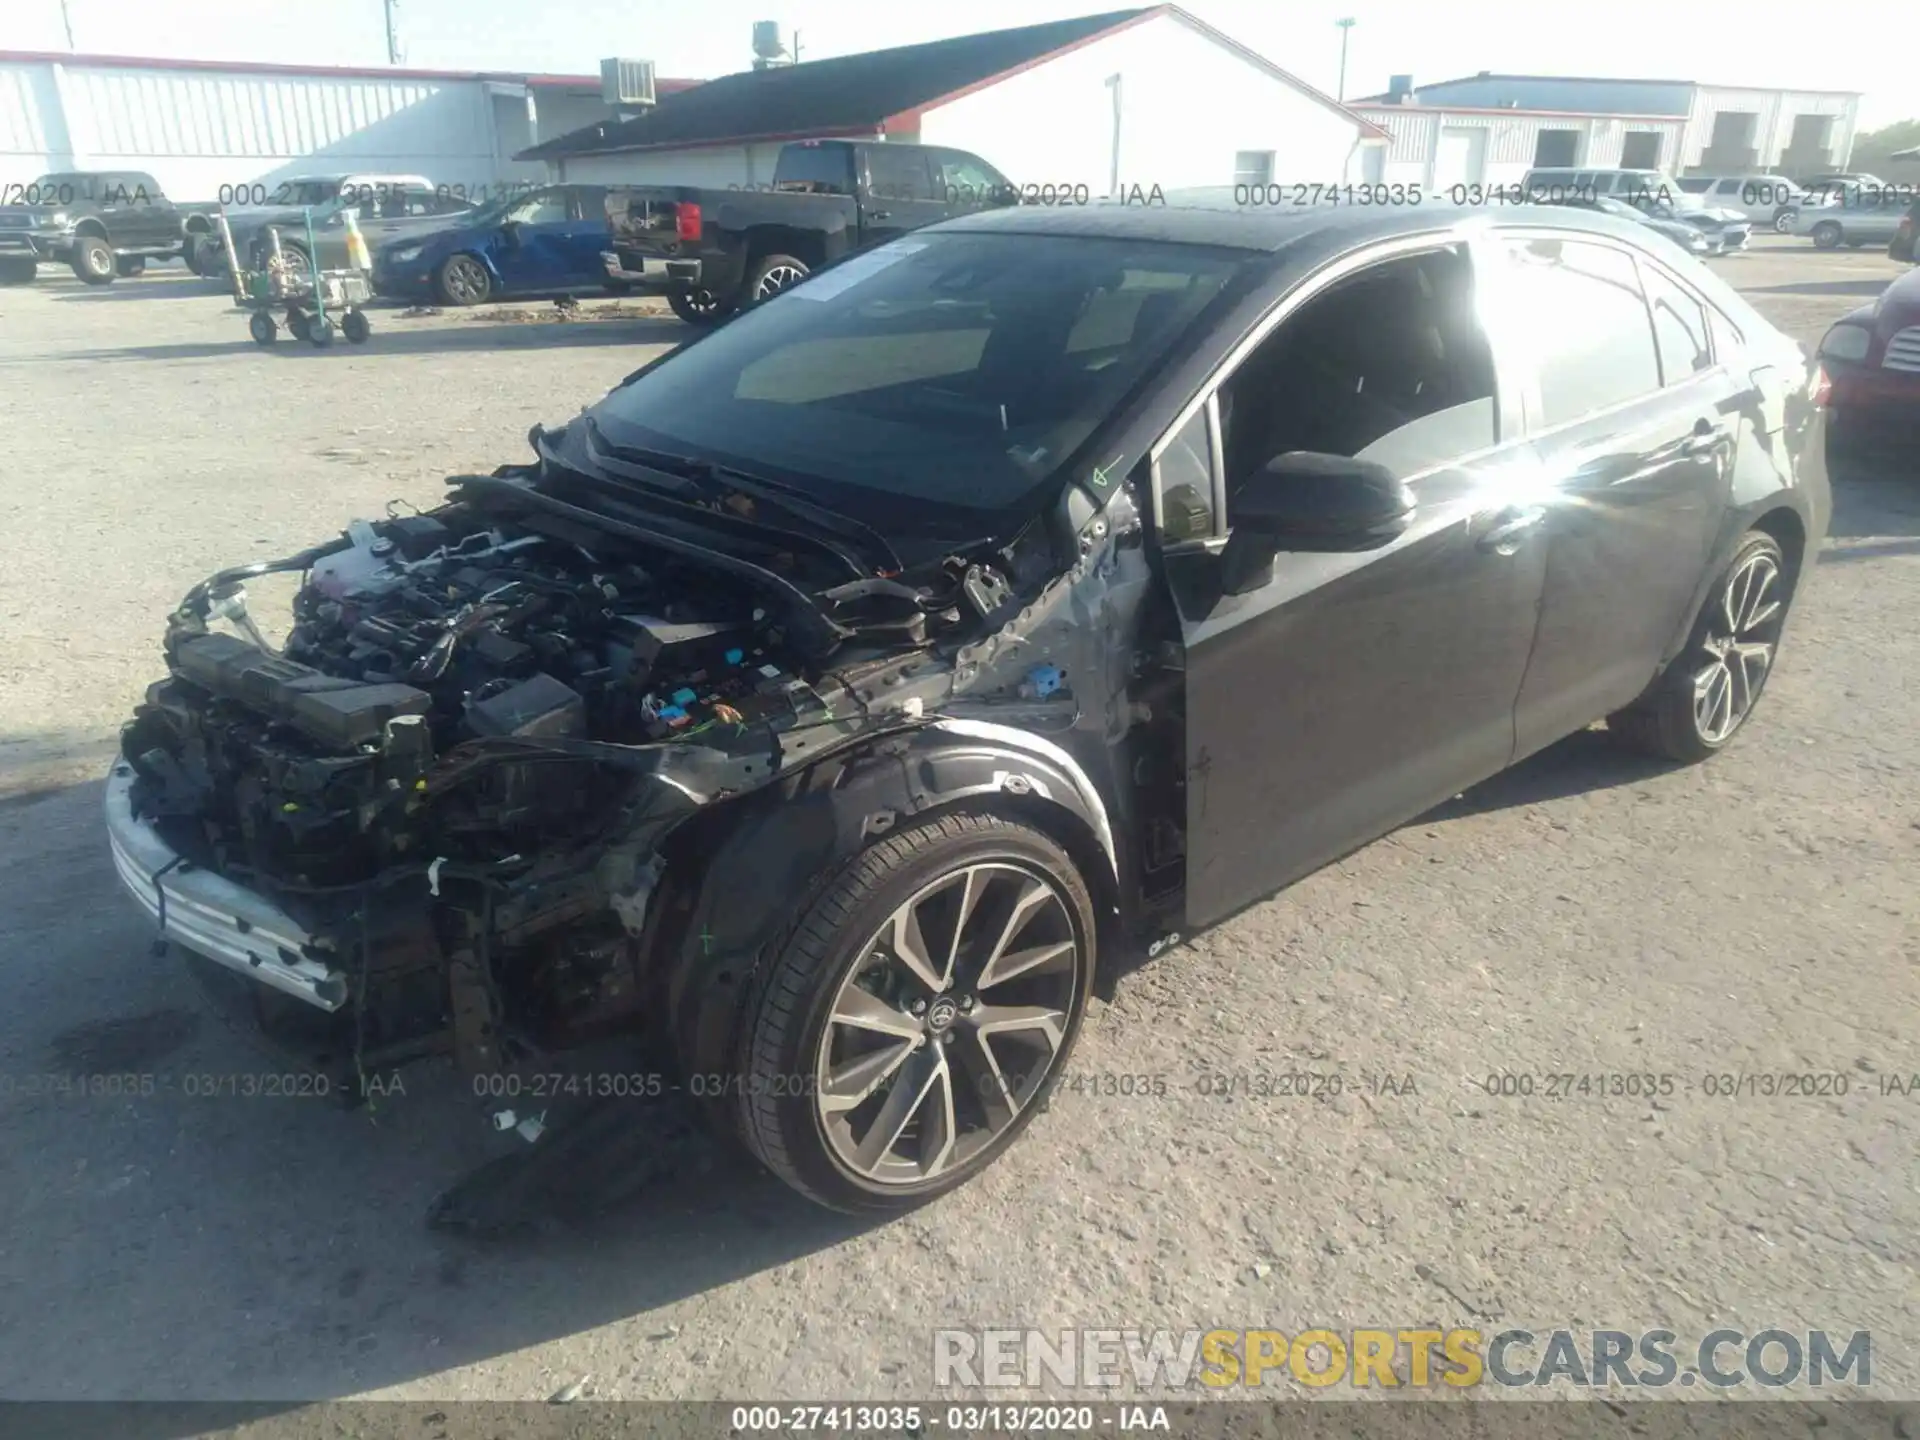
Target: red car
[1872, 361]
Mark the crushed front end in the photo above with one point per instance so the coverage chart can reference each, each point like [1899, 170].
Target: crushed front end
[430, 823]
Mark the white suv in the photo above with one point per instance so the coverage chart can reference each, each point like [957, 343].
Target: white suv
[1771, 200]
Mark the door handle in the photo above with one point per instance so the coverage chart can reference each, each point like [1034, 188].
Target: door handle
[1705, 440]
[1505, 539]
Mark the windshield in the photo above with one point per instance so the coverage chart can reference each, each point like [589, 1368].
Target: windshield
[961, 369]
[305, 192]
[59, 188]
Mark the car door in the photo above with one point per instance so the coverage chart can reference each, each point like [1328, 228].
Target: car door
[587, 234]
[1352, 690]
[129, 226]
[900, 193]
[1634, 427]
[525, 248]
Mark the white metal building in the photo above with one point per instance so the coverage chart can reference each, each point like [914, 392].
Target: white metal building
[1492, 129]
[1140, 97]
[199, 126]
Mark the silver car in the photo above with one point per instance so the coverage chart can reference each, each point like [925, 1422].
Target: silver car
[1856, 217]
[1772, 201]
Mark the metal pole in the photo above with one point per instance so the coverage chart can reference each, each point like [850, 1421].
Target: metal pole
[393, 35]
[67, 21]
[1345, 26]
[1113, 181]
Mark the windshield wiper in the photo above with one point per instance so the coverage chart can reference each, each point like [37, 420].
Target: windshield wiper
[720, 480]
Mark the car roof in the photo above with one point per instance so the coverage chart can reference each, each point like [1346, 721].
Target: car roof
[1200, 218]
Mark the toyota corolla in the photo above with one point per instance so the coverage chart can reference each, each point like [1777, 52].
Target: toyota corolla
[841, 699]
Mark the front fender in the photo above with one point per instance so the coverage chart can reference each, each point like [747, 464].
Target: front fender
[783, 845]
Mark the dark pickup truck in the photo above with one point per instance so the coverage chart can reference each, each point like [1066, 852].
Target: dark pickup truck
[716, 251]
[104, 223]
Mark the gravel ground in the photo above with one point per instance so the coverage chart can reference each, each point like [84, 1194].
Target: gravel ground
[1583, 913]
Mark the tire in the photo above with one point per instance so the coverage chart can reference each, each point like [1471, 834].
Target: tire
[1827, 235]
[18, 272]
[299, 325]
[126, 266]
[462, 280]
[788, 1031]
[93, 260]
[356, 327]
[319, 332]
[1681, 715]
[1783, 222]
[699, 307]
[297, 257]
[260, 325]
[770, 276]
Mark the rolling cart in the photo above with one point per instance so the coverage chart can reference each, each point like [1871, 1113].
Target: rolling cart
[308, 297]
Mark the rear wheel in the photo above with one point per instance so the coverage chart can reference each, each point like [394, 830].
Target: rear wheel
[355, 326]
[93, 260]
[298, 322]
[260, 325]
[319, 332]
[773, 274]
[698, 307]
[1704, 697]
[1826, 235]
[1783, 222]
[903, 1035]
[462, 280]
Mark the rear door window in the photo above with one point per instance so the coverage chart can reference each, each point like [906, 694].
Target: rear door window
[814, 169]
[1598, 350]
[898, 173]
[1679, 326]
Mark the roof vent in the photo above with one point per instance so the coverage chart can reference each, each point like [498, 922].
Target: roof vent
[626, 83]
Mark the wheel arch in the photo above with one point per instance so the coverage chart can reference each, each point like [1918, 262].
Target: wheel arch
[781, 240]
[708, 932]
[93, 227]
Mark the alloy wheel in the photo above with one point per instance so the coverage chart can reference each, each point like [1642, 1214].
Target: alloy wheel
[778, 278]
[1742, 634]
[702, 302]
[946, 1029]
[466, 281]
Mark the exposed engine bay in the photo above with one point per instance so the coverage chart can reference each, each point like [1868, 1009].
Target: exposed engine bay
[485, 718]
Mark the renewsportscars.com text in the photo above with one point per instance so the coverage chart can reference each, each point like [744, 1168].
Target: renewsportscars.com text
[1388, 1358]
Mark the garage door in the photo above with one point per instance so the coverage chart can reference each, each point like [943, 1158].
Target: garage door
[1462, 157]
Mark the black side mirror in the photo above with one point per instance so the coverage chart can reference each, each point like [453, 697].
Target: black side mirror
[1304, 500]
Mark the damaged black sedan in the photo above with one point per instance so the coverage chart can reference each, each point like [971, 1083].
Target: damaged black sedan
[838, 702]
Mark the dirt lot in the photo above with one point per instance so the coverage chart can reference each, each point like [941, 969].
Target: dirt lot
[1583, 913]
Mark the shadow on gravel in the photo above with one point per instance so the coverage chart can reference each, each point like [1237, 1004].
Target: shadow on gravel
[1578, 765]
[390, 337]
[300, 1227]
[143, 287]
[1866, 288]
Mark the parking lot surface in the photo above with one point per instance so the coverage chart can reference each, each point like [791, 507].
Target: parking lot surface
[1586, 913]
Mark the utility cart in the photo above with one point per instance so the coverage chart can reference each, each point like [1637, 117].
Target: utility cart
[308, 298]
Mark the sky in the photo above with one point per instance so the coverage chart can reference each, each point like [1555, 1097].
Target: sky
[1728, 42]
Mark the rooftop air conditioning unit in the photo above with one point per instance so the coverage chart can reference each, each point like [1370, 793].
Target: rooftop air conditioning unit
[626, 83]
[769, 50]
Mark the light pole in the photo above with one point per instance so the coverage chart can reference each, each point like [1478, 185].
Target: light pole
[1345, 26]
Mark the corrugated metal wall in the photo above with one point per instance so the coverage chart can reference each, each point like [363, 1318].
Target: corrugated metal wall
[1511, 140]
[198, 130]
[1773, 128]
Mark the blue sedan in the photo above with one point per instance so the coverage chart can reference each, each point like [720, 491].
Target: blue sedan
[544, 241]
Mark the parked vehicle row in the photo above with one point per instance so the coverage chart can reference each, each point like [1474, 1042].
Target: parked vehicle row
[1654, 193]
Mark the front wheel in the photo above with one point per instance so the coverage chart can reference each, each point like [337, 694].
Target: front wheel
[462, 280]
[319, 332]
[1783, 222]
[260, 325]
[906, 1030]
[356, 327]
[93, 260]
[698, 307]
[1826, 235]
[1705, 696]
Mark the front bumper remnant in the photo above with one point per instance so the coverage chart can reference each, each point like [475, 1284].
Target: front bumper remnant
[211, 916]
